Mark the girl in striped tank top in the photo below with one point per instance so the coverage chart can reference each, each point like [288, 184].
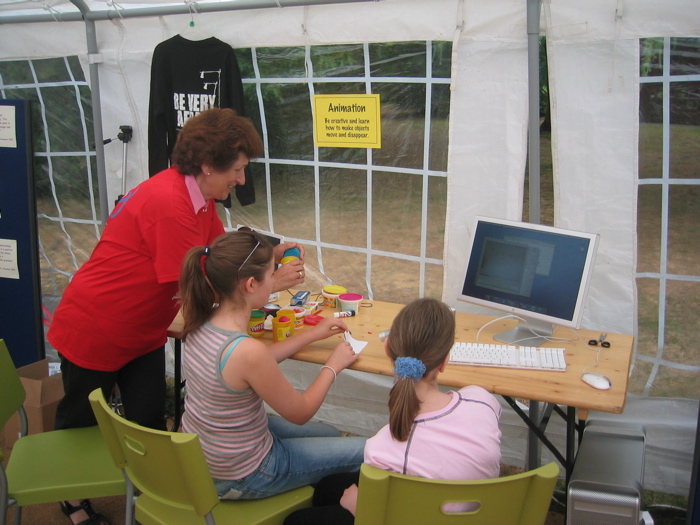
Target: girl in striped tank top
[230, 375]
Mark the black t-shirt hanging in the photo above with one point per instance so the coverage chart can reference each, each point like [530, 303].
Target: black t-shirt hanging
[187, 77]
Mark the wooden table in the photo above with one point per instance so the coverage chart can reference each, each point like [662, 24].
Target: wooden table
[555, 389]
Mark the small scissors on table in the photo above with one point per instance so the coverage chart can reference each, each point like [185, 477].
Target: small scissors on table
[601, 340]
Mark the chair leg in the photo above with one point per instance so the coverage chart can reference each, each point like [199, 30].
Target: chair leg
[129, 519]
[5, 503]
[3, 495]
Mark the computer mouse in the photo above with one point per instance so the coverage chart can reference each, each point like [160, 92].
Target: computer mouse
[598, 381]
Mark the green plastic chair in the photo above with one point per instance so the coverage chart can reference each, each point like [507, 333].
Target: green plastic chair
[71, 464]
[171, 474]
[388, 498]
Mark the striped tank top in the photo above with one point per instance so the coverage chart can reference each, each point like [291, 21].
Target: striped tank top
[231, 424]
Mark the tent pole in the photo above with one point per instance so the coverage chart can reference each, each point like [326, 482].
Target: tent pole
[533, 63]
[93, 59]
[182, 9]
[533, 69]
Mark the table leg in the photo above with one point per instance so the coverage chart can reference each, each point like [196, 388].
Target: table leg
[582, 417]
[570, 441]
[533, 444]
[539, 432]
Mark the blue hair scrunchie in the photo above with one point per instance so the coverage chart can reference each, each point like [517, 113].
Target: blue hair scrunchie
[409, 367]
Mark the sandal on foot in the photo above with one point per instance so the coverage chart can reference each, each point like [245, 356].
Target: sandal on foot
[93, 517]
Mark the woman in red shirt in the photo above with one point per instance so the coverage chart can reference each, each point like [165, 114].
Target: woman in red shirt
[111, 325]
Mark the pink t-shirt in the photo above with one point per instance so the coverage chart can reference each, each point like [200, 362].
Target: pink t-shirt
[461, 441]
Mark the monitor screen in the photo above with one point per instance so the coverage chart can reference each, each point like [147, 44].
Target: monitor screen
[537, 273]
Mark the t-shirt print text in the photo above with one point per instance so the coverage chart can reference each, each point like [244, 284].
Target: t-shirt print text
[188, 105]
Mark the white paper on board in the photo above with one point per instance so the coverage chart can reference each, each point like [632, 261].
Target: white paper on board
[8, 259]
[8, 127]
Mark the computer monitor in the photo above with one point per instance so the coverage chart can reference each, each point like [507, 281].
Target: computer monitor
[537, 273]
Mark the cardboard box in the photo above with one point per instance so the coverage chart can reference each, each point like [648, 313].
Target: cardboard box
[44, 391]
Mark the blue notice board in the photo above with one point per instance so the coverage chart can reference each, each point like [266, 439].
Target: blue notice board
[20, 284]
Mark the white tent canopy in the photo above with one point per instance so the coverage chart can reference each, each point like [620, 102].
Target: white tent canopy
[593, 54]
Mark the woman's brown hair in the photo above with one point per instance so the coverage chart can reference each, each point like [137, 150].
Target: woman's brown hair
[424, 330]
[212, 272]
[215, 137]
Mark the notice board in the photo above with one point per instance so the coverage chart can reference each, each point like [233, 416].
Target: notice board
[347, 121]
[20, 284]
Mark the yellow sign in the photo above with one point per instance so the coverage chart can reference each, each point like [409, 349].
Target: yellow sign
[347, 121]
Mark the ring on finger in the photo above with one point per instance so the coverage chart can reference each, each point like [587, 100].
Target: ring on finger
[301, 275]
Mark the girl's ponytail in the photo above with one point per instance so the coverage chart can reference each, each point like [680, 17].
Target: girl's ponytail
[421, 336]
[197, 295]
[403, 401]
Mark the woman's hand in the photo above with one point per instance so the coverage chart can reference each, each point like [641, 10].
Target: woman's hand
[279, 250]
[289, 275]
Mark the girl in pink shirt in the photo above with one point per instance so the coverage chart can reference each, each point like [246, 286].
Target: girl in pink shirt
[450, 435]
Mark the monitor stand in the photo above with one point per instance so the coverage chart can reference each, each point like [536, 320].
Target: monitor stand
[529, 332]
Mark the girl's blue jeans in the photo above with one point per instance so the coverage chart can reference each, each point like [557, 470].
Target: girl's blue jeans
[300, 455]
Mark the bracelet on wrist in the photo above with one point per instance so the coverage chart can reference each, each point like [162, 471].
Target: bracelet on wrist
[335, 376]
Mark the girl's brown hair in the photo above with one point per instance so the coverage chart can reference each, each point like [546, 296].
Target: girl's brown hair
[215, 137]
[425, 330]
[212, 272]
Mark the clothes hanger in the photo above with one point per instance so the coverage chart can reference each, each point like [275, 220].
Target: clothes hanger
[192, 32]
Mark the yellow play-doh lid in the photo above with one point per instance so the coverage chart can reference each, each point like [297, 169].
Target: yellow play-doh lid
[333, 289]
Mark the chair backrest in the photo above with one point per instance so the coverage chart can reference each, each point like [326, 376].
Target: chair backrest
[12, 392]
[395, 499]
[168, 467]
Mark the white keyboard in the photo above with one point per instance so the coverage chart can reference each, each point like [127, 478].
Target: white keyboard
[508, 356]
